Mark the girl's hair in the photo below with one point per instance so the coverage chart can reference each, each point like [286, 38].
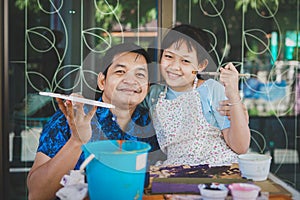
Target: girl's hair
[121, 48]
[194, 38]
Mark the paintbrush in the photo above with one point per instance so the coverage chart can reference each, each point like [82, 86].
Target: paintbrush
[217, 74]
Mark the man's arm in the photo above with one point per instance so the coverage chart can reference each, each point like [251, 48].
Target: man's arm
[43, 180]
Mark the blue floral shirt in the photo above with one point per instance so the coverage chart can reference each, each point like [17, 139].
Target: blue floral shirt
[56, 132]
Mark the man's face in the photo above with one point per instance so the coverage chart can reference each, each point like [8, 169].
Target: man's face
[126, 82]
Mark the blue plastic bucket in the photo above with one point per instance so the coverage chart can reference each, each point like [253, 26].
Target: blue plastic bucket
[116, 173]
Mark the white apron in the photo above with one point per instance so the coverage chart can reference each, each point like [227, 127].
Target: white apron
[184, 134]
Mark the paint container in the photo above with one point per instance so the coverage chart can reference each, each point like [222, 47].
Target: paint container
[116, 173]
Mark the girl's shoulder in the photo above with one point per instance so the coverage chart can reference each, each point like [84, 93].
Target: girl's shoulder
[210, 85]
[213, 82]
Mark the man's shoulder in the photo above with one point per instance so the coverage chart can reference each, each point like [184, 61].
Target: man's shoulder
[57, 121]
[154, 91]
[156, 87]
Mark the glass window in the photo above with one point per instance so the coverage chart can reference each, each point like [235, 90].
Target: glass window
[56, 46]
[260, 38]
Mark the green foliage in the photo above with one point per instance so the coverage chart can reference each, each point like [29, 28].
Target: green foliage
[256, 4]
[106, 13]
[109, 12]
[149, 16]
[253, 112]
[250, 55]
[126, 13]
[30, 4]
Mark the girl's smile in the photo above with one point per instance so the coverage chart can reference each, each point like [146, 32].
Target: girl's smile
[173, 75]
[177, 64]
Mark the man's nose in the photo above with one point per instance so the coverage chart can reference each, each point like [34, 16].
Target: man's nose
[129, 78]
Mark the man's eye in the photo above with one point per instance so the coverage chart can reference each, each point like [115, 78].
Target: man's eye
[120, 72]
[140, 75]
[186, 61]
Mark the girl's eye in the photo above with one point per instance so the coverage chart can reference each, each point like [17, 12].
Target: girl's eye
[168, 56]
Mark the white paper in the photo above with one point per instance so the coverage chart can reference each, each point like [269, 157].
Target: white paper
[141, 161]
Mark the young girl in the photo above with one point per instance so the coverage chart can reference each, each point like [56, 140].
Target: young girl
[189, 128]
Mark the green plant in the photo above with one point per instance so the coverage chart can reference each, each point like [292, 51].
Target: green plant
[108, 11]
[30, 4]
[256, 4]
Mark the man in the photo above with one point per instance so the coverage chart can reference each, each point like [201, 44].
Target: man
[124, 84]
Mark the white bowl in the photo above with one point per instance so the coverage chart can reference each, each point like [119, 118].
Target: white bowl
[213, 191]
[244, 191]
[254, 166]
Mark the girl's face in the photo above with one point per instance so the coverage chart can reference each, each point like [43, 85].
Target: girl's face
[177, 64]
[126, 82]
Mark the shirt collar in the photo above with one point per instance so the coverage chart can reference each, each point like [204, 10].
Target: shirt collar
[140, 117]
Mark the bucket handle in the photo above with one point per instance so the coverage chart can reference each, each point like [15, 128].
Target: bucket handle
[86, 162]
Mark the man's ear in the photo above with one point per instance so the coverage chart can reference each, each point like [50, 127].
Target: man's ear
[203, 65]
[101, 81]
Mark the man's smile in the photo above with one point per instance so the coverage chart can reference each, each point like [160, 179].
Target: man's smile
[129, 90]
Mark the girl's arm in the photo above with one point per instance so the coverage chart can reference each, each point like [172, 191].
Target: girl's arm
[224, 109]
[237, 136]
